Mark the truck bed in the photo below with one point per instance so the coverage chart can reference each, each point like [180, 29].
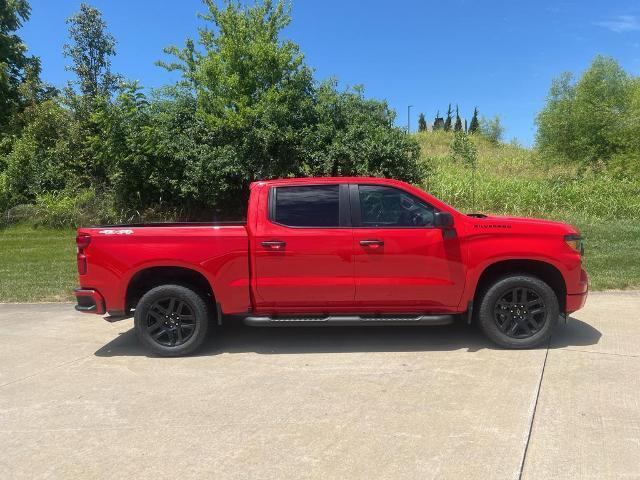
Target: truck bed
[217, 250]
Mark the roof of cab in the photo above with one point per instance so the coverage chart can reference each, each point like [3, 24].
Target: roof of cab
[328, 180]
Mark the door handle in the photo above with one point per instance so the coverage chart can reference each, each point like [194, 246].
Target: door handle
[274, 244]
[372, 243]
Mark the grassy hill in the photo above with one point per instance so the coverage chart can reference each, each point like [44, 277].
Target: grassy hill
[512, 180]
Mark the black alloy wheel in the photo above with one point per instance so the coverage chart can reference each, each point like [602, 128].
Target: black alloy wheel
[520, 312]
[170, 321]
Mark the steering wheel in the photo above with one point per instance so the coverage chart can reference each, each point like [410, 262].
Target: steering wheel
[418, 220]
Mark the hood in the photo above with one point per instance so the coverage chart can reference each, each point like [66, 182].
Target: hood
[520, 224]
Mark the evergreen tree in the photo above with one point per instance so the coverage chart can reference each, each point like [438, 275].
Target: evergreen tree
[422, 123]
[447, 122]
[438, 122]
[474, 126]
[458, 125]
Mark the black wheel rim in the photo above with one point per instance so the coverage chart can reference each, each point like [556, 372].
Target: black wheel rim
[170, 322]
[520, 312]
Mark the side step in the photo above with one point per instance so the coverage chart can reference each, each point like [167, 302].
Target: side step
[347, 320]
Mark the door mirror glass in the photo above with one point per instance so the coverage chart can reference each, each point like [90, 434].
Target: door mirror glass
[443, 220]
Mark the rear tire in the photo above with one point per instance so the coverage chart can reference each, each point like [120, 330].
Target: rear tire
[519, 311]
[171, 320]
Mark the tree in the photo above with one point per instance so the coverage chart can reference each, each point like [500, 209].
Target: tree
[583, 120]
[447, 122]
[422, 123]
[438, 122]
[90, 50]
[15, 66]
[458, 125]
[492, 129]
[260, 114]
[474, 126]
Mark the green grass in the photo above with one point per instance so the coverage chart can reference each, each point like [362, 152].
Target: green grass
[612, 253]
[37, 264]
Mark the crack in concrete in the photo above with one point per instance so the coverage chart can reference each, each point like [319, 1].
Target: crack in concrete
[576, 350]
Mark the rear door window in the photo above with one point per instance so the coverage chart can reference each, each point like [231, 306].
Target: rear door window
[308, 206]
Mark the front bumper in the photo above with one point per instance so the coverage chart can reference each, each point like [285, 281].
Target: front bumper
[89, 301]
[578, 296]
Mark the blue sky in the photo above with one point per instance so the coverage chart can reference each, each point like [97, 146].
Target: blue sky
[498, 55]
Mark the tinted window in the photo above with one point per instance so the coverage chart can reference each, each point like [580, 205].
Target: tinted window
[316, 206]
[390, 207]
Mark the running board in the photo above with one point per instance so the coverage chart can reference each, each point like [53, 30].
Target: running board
[347, 320]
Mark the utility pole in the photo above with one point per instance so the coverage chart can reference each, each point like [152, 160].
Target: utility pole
[409, 118]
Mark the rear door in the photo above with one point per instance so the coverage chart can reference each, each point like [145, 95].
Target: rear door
[304, 249]
[401, 260]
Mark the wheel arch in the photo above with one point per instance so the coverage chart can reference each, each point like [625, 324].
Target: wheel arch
[147, 278]
[545, 271]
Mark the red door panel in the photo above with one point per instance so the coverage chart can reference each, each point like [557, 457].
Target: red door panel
[298, 267]
[400, 259]
[412, 268]
[314, 268]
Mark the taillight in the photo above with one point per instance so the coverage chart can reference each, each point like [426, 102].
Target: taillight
[82, 241]
[82, 263]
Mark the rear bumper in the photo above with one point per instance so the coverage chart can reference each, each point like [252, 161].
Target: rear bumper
[89, 301]
[575, 302]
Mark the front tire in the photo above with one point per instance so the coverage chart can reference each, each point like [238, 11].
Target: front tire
[519, 311]
[171, 320]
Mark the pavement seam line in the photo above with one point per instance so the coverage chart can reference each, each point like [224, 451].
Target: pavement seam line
[535, 408]
[45, 370]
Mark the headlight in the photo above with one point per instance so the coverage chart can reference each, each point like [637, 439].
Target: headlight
[575, 242]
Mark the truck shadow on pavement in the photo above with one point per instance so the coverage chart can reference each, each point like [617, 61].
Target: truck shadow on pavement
[237, 338]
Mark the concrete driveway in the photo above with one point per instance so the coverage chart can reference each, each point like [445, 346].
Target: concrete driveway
[80, 399]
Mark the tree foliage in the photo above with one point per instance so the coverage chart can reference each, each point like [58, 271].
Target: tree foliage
[246, 107]
[491, 128]
[17, 69]
[590, 120]
[422, 123]
[90, 51]
[458, 125]
[474, 125]
[448, 120]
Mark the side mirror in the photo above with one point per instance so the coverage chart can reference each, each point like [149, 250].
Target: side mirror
[443, 220]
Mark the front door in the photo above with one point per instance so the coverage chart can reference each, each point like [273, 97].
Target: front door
[401, 260]
[304, 250]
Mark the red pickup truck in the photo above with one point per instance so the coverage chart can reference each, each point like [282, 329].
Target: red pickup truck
[334, 251]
